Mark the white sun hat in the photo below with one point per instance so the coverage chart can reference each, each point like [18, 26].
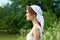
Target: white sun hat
[39, 16]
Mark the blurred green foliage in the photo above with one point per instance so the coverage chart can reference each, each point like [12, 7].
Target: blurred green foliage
[12, 17]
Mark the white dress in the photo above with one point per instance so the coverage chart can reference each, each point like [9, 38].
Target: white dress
[29, 35]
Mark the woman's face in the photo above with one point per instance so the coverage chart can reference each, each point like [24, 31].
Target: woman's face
[28, 16]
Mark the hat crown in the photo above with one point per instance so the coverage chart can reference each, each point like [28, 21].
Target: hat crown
[37, 9]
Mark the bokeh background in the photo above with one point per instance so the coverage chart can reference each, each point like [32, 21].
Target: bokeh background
[13, 23]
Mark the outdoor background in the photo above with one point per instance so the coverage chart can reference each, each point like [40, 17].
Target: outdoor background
[13, 24]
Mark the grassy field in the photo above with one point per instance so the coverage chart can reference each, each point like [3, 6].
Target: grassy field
[55, 35]
[48, 35]
[8, 37]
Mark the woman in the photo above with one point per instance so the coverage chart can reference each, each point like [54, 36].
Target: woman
[34, 14]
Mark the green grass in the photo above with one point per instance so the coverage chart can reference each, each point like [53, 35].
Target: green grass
[8, 37]
[51, 35]
[22, 38]
[48, 35]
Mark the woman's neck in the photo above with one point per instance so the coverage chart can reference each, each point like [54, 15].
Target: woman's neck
[35, 22]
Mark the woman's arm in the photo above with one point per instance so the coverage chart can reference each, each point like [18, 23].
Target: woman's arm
[36, 34]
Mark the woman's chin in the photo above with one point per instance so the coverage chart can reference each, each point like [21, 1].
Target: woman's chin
[27, 19]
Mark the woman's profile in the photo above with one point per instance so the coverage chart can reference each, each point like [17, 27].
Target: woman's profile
[34, 14]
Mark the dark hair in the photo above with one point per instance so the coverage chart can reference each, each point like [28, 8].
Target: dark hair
[31, 11]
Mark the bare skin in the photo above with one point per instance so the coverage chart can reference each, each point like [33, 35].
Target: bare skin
[35, 32]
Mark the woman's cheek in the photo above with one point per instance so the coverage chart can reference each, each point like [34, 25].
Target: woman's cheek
[28, 15]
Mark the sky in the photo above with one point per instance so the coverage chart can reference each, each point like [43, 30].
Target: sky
[4, 2]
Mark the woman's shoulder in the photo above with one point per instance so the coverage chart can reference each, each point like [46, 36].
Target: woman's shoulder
[36, 27]
[36, 31]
